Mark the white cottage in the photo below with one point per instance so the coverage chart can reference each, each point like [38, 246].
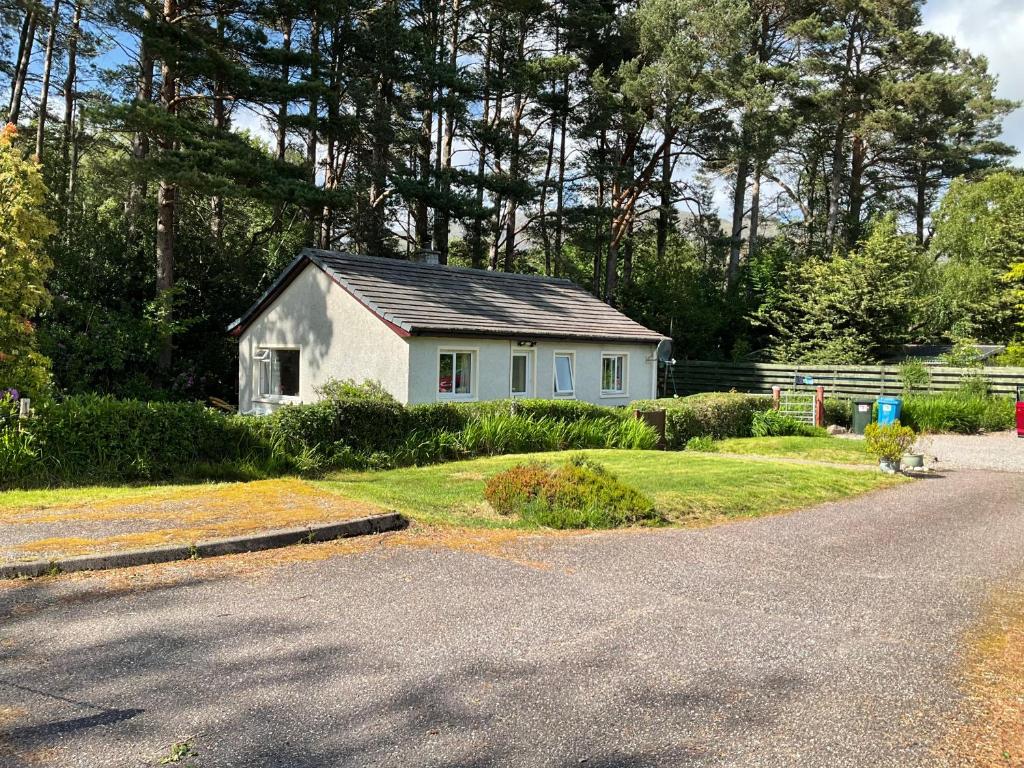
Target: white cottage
[431, 333]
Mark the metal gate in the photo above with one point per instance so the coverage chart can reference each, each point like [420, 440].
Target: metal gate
[802, 406]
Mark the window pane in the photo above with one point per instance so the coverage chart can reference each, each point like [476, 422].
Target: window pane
[444, 378]
[612, 373]
[518, 374]
[264, 374]
[563, 374]
[463, 373]
[287, 372]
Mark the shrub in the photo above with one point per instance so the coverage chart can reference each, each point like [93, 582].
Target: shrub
[349, 389]
[839, 411]
[888, 442]
[361, 424]
[702, 444]
[914, 375]
[88, 439]
[96, 439]
[578, 494]
[717, 415]
[775, 424]
[958, 412]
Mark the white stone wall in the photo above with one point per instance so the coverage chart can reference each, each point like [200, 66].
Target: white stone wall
[493, 360]
[338, 338]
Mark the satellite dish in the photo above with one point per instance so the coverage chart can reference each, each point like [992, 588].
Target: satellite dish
[664, 351]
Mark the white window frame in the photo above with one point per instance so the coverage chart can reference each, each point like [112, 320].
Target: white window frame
[570, 395]
[531, 372]
[260, 359]
[474, 375]
[624, 392]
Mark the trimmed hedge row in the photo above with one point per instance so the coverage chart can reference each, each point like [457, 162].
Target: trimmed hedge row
[720, 415]
[92, 439]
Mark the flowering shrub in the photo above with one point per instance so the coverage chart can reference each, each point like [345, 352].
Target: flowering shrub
[577, 494]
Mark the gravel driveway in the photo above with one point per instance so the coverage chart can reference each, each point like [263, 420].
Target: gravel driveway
[821, 638]
[1001, 451]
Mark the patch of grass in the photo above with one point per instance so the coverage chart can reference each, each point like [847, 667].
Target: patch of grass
[686, 487]
[171, 514]
[994, 732]
[826, 449]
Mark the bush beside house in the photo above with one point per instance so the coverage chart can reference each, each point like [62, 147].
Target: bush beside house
[90, 439]
[720, 415]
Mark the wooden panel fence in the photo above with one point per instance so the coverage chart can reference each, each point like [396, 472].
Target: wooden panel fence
[692, 377]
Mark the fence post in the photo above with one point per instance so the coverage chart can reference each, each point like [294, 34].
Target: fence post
[776, 397]
[819, 406]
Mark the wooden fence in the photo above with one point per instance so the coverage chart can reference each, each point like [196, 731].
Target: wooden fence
[692, 377]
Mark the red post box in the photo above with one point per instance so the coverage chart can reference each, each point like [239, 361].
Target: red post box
[1020, 411]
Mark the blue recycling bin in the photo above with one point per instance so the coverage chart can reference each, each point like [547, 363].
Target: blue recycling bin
[889, 410]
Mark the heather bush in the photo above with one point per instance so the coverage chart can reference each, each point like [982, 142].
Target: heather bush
[577, 494]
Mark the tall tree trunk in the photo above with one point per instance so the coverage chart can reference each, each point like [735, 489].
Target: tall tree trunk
[44, 93]
[378, 170]
[739, 208]
[220, 124]
[281, 122]
[442, 222]
[627, 258]
[282, 106]
[424, 146]
[839, 146]
[857, 166]
[28, 38]
[921, 203]
[755, 212]
[665, 210]
[73, 168]
[476, 250]
[518, 105]
[139, 188]
[313, 118]
[560, 183]
[166, 195]
[70, 83]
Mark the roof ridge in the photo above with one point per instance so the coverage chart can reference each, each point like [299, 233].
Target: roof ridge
[320, 253]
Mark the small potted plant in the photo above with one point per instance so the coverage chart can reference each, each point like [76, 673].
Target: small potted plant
[888, 444]
[916, 453]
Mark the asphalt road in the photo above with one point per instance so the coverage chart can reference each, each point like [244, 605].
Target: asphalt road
[822, 638]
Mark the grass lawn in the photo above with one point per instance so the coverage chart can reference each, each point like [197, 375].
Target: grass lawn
[828, 449]
[39, 524]
[687, 487]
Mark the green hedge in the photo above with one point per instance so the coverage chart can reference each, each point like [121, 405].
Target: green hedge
[720, 415]
[92, 439]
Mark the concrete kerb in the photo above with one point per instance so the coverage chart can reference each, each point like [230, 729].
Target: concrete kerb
[256, 542]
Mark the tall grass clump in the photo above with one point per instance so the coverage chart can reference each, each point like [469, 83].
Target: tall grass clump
[958, 412]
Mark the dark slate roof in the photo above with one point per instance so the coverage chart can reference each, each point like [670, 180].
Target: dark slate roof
[430, 299]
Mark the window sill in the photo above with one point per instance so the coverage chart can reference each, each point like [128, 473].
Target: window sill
[564, 396]
[614, 394]
[278, 399]
[445, 398]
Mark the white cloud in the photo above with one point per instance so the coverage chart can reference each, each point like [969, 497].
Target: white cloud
[995, 29]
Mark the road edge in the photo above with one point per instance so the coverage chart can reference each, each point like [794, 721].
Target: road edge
[256, 542]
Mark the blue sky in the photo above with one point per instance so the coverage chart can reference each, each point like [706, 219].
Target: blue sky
[995, 29]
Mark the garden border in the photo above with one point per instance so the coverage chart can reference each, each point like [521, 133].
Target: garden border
[311, 534]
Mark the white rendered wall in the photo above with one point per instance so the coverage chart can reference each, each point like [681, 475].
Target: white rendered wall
[338, 338]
